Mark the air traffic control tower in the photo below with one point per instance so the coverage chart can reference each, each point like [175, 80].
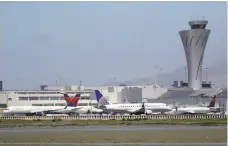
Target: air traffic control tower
[194, 41]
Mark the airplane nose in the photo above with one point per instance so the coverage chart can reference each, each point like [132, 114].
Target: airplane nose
[5, 111]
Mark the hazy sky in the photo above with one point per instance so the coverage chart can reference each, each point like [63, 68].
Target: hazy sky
[96, 41]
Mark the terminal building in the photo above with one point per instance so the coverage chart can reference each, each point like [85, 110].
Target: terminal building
[53, 96]
[41, 98]
[114, 94]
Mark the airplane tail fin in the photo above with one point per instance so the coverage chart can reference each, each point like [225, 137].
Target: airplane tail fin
[101, 99]
[72, 102]
[212, 103]
[76, 99]
[66, 97]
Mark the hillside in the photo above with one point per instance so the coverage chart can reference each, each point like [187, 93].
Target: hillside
[217, 74]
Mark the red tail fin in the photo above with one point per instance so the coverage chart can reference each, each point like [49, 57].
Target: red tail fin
[73, 102]
[212, 103]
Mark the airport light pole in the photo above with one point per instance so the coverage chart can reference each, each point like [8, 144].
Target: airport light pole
[203, 74]
[80, 85]
[158, 70]
[185, 73]
[206, 74]
[156, 76]
[114, 78]
[58, 81]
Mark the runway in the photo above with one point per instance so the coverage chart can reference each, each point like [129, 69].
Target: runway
[153, 135]
[118, 144]
[108, 128]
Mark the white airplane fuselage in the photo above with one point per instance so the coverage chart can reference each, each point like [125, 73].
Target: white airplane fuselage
[88, 109]
[192, 110]
[128, 108]
[58, 109]
[30, 109]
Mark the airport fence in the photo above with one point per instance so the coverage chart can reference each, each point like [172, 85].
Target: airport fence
[113, 117]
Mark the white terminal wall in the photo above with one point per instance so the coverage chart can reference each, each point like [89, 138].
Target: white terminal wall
[114, 94]
[12, 99]
[142, 93]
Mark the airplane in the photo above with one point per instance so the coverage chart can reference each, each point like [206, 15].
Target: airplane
[196, 110]
[131, 108]
[71, 105]
[71, 108]
[80, 109]
[43, 110]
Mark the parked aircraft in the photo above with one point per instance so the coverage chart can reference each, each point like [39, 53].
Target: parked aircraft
[81, 109]
[71, 107]
[196, 110]
[42, 110]
[131, 108]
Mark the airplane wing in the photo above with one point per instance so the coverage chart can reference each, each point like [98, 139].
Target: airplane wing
[56, 110]
[35, 111]
[68, 109]
[187, 112]
[76, 108]
[134, 110]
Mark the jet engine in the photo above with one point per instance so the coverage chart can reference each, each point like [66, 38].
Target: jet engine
[103, 107]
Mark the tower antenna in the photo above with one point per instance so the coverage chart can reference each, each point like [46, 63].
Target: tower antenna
[204, 18]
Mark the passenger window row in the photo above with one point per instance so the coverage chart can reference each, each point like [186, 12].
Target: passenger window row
[130, 106]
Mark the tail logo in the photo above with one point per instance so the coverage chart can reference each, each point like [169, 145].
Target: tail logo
[212, 103]
[72, 101]
[103, 101]
[100, 98]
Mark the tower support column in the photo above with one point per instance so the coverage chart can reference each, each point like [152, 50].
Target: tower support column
[194, 42]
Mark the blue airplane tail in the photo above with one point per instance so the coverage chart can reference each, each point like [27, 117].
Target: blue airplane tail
[100, 98]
